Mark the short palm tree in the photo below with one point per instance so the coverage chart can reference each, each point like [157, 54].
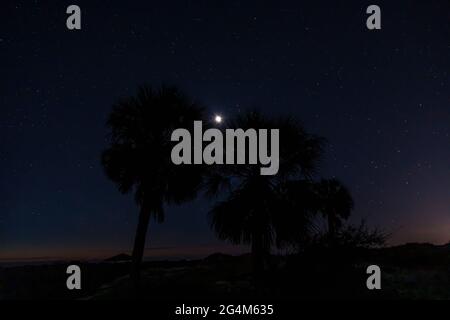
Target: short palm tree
[138, 158]
[334, 202]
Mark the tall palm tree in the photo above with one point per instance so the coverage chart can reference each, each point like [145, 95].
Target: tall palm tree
[335, 203]
[138, 158]
[259, 210]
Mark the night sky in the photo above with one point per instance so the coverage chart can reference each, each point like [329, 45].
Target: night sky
[381, 98]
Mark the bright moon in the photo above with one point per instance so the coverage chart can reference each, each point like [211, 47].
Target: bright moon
[218, 119]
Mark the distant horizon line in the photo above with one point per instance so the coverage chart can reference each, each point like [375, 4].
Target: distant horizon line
[163, 252]
[193, 254]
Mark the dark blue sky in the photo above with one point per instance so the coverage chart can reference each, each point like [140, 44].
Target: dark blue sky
[381, 98]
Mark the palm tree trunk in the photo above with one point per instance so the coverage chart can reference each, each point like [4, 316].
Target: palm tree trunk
[331, 229]
[257, 257]
[139, 246]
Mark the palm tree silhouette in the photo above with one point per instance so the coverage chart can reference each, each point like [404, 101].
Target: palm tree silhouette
[138, 157]
[261, 210]
[335, 203]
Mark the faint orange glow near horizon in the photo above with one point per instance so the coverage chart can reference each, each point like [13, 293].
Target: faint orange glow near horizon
[168, 252]
[421, 227]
